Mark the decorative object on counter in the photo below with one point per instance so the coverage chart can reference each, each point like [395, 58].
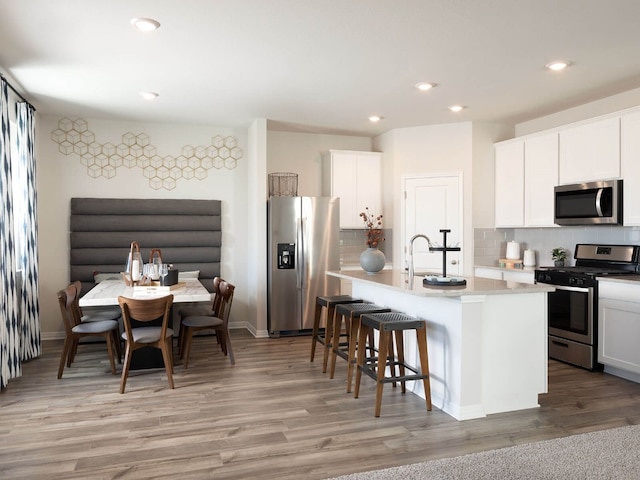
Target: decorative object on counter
[529, 258]
[558, 255]
[506, 263]
[443, 281]
[513, 251]
[372, 260]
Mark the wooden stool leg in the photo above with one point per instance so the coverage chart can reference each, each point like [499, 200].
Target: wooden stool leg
[351, 357]
[400, 350]
[316, 329]
[328, 334]
[362, 337]
[421, 333]
[335, 342]
[383, 354]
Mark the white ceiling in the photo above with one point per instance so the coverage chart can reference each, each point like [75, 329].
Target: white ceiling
[319, 65]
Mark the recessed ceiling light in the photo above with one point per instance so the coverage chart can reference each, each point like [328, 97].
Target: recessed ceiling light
[456, 108]
[557, 66]
[374, 118]
[149, 95]
[145, 24]
[424, 86]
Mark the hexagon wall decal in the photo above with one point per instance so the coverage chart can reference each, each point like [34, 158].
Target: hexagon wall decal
[73, 137]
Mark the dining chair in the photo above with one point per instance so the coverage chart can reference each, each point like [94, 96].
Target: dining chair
[75, 329]
[212, 310]
[218, 323]
[97, 313]
[136, 311]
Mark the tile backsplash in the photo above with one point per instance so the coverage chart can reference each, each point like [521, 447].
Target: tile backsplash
[490, 243]
[352, 244]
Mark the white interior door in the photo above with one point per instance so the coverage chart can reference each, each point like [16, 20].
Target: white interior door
[433, 204]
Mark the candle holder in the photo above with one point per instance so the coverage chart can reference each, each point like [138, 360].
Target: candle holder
[133, 274]
[155, 264]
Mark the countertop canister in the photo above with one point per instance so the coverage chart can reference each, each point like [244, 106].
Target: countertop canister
[529, 259]
[513, 251]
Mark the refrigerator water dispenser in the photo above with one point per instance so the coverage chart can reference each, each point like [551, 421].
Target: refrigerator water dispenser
[286, 256]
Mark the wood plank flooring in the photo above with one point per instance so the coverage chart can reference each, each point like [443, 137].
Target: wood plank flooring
[272, 415]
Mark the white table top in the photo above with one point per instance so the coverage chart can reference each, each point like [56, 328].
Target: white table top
[107, 292]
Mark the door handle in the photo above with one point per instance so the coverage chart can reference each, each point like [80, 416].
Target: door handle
[454, 262]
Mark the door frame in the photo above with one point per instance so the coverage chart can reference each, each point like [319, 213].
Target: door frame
[403, 205]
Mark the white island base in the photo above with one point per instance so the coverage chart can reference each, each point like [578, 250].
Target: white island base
[487, 341]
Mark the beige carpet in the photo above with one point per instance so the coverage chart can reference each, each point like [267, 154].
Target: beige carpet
[609, 454]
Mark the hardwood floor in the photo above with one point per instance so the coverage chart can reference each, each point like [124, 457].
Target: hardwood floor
[272, 415]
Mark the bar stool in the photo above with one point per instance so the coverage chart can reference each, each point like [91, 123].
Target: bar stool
[350, 313]
[317, 337]
[386, 323]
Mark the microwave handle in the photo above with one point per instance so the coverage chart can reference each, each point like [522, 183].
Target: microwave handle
[599, 201]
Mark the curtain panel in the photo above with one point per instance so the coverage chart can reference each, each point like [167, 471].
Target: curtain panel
[19, 305]
[27, 230]
[10, 366]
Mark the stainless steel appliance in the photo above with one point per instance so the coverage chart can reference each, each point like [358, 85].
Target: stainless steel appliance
[573, 308]
[303, 243]
[589, 203]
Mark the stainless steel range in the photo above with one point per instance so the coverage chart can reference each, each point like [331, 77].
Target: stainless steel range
[573, 307]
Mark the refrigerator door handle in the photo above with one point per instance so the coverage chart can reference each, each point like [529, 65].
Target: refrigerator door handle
[300, 254]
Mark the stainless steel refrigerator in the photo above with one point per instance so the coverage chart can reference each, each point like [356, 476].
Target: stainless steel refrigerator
[303, 243]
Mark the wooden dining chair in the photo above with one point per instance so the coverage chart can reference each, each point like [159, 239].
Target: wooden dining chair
[136, 311]
[219, 323]
[75, 329]
[97, 314]
[212, 310]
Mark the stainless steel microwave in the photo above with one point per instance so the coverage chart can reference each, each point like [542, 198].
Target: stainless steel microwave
[590, 203]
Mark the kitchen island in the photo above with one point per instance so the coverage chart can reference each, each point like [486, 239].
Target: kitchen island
[487, 340]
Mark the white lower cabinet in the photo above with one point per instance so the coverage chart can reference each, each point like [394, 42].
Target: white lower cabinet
[619, 328]
[506, 275]
[518, 276]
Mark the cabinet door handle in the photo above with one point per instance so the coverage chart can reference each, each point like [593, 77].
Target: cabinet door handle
[560, 344]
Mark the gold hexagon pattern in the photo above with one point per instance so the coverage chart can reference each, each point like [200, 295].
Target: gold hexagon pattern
[104, 159]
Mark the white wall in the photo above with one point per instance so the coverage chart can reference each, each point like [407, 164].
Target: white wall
[596, 108]
[61, 177]
[424, 150]
[301, 153]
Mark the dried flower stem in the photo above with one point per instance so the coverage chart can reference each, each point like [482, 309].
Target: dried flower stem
[374, 228]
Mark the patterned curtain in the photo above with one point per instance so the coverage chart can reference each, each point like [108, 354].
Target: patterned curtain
[10, 366]
[27, 231]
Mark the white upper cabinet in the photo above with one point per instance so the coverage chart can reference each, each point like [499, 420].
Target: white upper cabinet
[590, 152]
[526, 173]
[355, 177]
[540, 178]
[630, 164]
[509, 184]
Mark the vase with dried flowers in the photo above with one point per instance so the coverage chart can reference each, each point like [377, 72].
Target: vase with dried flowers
[372, 260]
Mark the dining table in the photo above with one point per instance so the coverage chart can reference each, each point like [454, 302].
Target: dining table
[106, 293]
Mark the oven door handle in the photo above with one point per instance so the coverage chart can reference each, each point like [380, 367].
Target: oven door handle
[572, 289]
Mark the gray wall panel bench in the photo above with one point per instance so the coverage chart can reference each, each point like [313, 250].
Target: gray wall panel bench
[188, 232]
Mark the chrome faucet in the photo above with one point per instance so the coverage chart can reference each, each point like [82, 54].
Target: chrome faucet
[413, 239]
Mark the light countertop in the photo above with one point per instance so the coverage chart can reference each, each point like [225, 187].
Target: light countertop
[505, 269]
[630, 279]
[398, 280]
